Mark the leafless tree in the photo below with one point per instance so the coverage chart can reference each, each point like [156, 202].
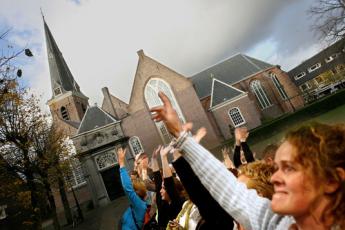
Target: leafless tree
[329, 19]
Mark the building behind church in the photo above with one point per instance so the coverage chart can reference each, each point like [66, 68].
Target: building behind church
[322, 74]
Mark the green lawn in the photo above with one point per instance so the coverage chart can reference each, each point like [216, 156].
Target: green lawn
[336, 115]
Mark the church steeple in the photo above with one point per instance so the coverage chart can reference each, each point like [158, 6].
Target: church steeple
[62, 80]
[68, 104]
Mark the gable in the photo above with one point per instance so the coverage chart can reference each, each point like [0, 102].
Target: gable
[230, 71]
[222, 92]
[94, 118]
[113, 105]
[148, 68]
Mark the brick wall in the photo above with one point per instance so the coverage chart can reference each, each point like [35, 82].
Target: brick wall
[248, 111]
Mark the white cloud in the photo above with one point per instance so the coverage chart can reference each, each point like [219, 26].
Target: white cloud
[99, 39]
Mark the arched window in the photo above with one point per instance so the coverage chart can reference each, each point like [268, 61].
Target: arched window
[279, 86]
[260, 94]
[151, 96]
[64, 113]
[236, 117]
[75, 175]
[135, 145]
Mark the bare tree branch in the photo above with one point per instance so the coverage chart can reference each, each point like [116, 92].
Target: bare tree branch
[329, 19]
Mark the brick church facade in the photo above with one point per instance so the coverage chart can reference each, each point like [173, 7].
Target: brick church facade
[238, 91]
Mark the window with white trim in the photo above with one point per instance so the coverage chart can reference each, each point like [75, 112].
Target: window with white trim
[300, 75]
[135, 145]
[75, 177]
[260, 94]
[314, 67]
[331, 58]
[152, 88]
[279, 86]
[236, 117]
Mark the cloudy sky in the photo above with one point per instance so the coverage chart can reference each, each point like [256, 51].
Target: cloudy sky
[99, 38]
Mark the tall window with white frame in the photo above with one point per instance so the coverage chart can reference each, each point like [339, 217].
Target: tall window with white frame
[153, 86]
[236, 117]
[279, 86]
[135, 145]
[260, 94]
[75, 177]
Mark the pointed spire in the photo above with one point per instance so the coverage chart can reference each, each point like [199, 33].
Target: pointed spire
[61, 77]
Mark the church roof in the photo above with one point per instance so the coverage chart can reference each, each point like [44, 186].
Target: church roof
[95, 117]
[61, 77]
[230, 71]
[222, 92]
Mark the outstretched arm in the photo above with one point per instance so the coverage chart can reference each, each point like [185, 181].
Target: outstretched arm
[139, 206]
[168, 177]
[157, 176]
[208, 207]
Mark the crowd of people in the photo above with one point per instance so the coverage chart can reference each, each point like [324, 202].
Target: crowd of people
[298, 184]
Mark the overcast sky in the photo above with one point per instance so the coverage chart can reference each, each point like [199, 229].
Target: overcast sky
[99, 38]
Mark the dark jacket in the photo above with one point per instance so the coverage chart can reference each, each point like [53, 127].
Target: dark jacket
[214, 216]
[247, 154]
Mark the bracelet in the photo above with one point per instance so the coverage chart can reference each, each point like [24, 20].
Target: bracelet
[177, 143]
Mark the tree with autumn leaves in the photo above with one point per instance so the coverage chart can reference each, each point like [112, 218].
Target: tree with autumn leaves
[32, 150]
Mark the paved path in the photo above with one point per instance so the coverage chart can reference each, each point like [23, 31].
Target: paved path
[104, 218]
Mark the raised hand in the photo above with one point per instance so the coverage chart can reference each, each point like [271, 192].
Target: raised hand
[154, 161]
[168, 115]
[225, 152]
[121, 153]
[244, 134]
[164, 151]
[156, 152]
[227, 161]
[238, 133]
[201, 133]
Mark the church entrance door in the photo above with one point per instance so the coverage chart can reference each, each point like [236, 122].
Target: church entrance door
[109, 169]
[112, 182]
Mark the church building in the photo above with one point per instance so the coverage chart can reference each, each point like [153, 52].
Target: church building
[239, 91]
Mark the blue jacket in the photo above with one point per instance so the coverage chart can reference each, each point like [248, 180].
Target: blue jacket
[138, 205]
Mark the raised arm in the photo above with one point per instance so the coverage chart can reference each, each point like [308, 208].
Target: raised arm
[237, 149]
[139, 206]
[157, 176]
[246, 150]
[208, 207]
[168, 177]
